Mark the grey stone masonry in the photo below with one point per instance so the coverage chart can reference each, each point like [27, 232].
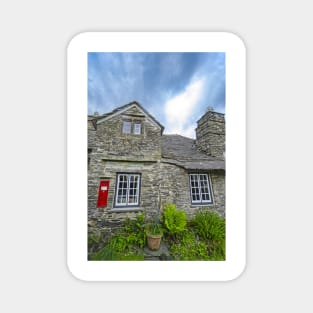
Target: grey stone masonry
[210, 133]
[163, 164]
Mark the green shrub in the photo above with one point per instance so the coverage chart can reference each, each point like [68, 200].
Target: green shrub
[121, 246]
[210, 227]
[136, 225]
[175, 221]
[188, 248]
[107, 253]
[132, 256]
[119, 243]
[126, 244]
[216, 250]
[135, 230]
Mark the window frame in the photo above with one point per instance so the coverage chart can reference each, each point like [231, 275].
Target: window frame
[200, 202]
[130, 128]
[134, 128]
[138, 188]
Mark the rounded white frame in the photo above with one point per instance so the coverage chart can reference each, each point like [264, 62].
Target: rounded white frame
[235, 111]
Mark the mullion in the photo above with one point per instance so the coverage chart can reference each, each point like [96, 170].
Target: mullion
[135, 189]
[204, 186]
[120, 187]
[127, 189]
[195, 189]
[199, 188]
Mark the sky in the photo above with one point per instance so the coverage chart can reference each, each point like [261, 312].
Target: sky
[175, 88]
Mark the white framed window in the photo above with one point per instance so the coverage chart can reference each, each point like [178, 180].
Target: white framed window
[137, 128]
[200, 189]
[127, 190]
[127, 127]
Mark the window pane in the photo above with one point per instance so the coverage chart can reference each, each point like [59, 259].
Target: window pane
[199, 187]
[127, 127]
[132, 200]
[122, 178]
[204, 190]
[127, 192]
[193, 177]
[205, 197]
[137, 128]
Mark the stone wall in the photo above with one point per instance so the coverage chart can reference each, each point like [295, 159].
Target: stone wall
[210, 133]
[162, 182]
[175, 189]
[111, 152]
[149, 172]
[113, 144]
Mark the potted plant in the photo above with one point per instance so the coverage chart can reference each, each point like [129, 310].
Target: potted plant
[154, 234]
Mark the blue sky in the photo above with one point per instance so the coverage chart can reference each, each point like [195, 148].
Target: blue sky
[176, 88]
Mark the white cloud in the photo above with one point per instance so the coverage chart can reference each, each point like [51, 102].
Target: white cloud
[178, 110]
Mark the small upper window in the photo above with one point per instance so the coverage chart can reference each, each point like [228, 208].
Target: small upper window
[127, 127]
[137, 128]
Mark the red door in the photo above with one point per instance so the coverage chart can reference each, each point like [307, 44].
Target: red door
[103, 193]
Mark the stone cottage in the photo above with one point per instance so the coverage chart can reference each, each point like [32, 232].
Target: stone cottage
[133, 166]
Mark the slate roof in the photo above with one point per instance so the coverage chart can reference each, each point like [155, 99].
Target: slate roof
[176, 149]
[182, 151]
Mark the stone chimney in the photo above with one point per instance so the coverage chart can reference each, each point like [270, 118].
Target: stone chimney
[210, 134]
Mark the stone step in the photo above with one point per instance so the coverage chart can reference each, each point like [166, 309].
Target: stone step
[162, 254]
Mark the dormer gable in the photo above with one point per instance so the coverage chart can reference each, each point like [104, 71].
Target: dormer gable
[132, 111]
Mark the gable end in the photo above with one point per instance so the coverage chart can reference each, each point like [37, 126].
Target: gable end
[123, 110]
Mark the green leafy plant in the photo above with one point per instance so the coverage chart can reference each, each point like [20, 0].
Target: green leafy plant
[132, 256]
[107, 253]
[211, 227]
[189, 248]
[175, 221]
[135, 230]
[126, 244]
[154, 233]
[136, 225]
[118, 243]
[154, 227]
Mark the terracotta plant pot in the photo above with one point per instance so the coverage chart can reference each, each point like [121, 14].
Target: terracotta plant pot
[154, 241]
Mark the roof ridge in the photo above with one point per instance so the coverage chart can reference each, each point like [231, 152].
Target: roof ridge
[178, 135]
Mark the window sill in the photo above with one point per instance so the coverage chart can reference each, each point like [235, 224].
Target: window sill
[126, 209]
[201, 204]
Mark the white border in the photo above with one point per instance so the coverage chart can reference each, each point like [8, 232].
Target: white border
[235, 262]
